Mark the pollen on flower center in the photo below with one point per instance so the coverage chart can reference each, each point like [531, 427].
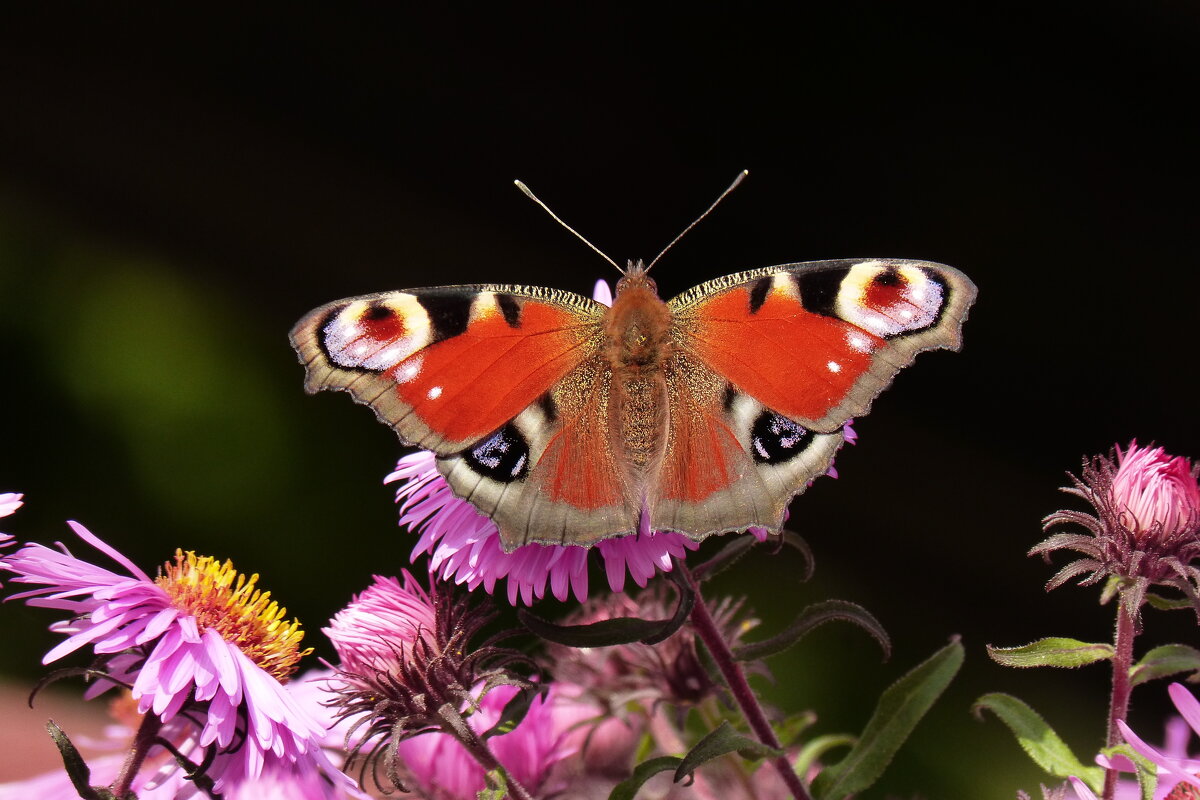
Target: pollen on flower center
[221, 598]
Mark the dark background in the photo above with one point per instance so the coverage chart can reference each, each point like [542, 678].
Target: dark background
[176, 189]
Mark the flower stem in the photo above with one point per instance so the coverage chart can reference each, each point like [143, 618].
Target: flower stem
[146, 735]
[1122, 661]
[456, 726]
[735, 677]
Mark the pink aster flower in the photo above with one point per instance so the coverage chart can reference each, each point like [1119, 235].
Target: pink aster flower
[199, 639]
[1146, 526]
[412, 663]
[1156, 495]
[464, 545]
[382, 623]
[160, 780]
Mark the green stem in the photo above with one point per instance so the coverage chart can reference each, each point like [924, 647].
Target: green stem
[1122, 661]
[706, 628]
[456, 726]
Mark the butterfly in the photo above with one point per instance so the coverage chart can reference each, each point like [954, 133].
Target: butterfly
[568, 422]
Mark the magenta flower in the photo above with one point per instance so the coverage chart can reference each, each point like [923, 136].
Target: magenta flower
[160, 780]
[464, 545]
[1146, 526]
[1156, 495]
[200, 637]
[412, 663]
[382, 623]
[9, 502]
[440, 768]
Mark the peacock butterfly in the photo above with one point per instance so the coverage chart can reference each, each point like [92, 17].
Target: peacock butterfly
[569, 422]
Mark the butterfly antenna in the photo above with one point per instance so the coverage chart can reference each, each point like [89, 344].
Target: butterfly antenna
[557, 219]
[736, 181]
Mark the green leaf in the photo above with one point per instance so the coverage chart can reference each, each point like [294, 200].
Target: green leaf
[812, 752]
[790, 729]
[77, 768]
[628, 788]
[1111, 587]
[1038, 739]
[619, 630]
[1167, 603]
[605, 633]
[1162, 662]
[797, 543]
[719, 742]
[497, 787]
[723, 559]
[514, 711]
[1055, 651]
[811, 617]
[899, 710]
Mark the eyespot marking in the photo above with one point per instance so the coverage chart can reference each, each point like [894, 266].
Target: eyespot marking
[775, 439]
[502, 457]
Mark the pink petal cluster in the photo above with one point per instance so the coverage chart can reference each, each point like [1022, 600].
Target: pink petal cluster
[384, 618]
[9, 502]
[464, 545]
[279, 780]
[1155, 493]
[443, 770]
[115, 613]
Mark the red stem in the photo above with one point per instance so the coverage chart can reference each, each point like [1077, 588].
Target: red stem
[146, 735]
[1118, 707]
[743, 695]
[479, 750]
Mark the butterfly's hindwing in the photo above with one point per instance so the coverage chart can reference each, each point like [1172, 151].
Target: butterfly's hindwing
[552, 475]
[732, 463]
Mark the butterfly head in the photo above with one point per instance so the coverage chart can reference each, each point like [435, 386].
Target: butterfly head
[635, 276]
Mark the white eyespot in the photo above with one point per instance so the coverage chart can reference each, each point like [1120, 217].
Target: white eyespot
[889, 299]
[434, 393]
[834, 366]
[354, 339]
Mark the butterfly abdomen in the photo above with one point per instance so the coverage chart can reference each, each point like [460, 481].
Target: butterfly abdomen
[637, 344]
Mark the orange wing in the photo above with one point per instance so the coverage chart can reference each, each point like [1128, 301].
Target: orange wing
[447, 366]
[816, 342]
[772, 363]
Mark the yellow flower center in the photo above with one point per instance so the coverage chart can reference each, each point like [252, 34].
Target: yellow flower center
[220, 598]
